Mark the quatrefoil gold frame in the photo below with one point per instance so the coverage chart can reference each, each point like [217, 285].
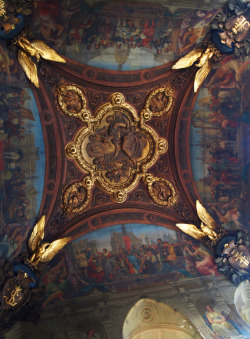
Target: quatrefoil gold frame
[76, 151]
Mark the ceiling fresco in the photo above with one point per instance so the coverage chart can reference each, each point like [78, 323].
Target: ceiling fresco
[220, 152]
[114, 147]
[22, 165]
[141, 36]
[124, 257]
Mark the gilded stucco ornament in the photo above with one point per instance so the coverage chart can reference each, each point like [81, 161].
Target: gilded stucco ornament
[205, 60]
[37, 49]
[72, 102]
[159, 102]
[43, 252]
[12, 17]
[208, 228]
[19, 282]
[233, 252]
[2, 9]
[12, 22]
[232, 248]
[229, 34]
[161, 190]
[116, 149]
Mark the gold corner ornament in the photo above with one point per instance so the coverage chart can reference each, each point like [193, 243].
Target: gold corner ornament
[16, 290]
[208, 227]
[205, 62]
[231, 249]
[46, 251]
[37, 49]
[116, 147]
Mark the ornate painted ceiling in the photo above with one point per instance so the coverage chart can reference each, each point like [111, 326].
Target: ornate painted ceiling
[114, 148]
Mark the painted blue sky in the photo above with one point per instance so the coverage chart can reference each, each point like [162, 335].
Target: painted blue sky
[140, 230]
[196, 151]
[138, 58]
[36, 129]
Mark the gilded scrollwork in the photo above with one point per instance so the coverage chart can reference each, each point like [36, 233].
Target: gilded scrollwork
[159, 102]
[72, 102]
[77, 196]
[116, 149]
[161, 190]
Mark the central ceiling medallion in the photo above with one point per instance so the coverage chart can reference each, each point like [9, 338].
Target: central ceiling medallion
[116, 148]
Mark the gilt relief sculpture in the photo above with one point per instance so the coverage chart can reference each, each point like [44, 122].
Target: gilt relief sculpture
[116, 148]
[72, 102]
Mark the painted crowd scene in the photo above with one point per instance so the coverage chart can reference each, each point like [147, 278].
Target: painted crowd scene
[219, 144]
[125, 257]
[119, 35]
[22, 166]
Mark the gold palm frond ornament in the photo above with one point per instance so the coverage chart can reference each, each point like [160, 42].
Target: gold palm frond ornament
[228, 35]
[209, 230]
[231, 248]
[204, 60]
[12, 22]
[46, 251]
[35, 49]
